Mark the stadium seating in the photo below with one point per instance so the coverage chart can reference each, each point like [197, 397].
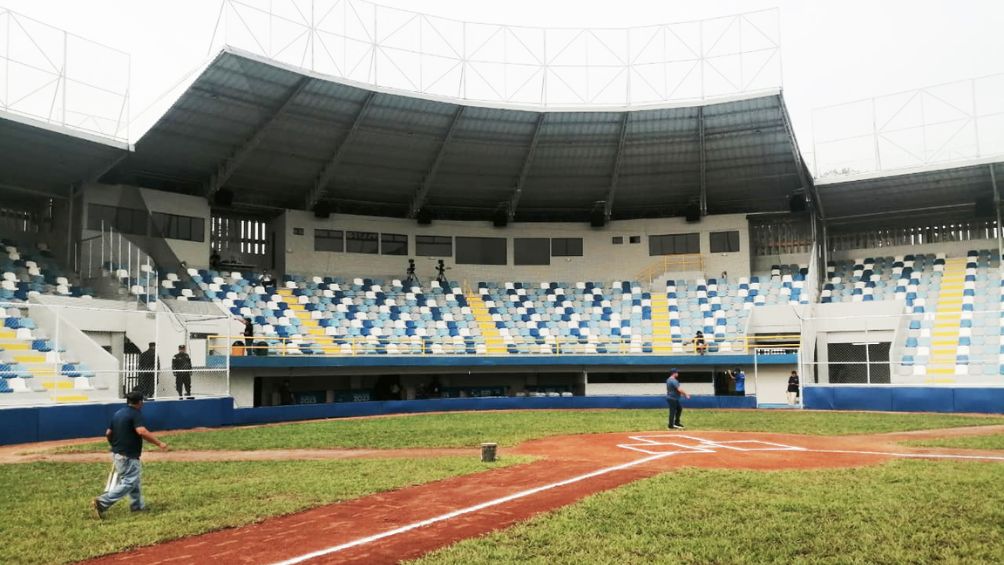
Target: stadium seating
[954, 325]
[25, 271]
[30, 363]
[335, 316]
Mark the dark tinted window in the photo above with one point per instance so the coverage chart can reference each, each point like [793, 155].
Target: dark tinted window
[393, 244]
[481, 251]
[724, 241]
[362, 242]
[532, 251]
[566, 247]
[433, 246]
[674, 244]
[329, 240]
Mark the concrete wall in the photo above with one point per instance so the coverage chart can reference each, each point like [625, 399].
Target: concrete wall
[196, 254]
[601, 259]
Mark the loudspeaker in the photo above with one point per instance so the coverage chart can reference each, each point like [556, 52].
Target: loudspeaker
[692, 213]
[798, 203]
[500, 218]
[322, 210]
[424, 217]
[598, 217]
[983, 208]
[224, 197]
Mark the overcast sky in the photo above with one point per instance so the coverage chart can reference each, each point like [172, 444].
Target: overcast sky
[833, 51]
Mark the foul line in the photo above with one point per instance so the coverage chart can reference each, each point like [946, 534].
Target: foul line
[912, 455]
[468, 510]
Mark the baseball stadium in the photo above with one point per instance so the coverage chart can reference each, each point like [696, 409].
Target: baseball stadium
[386, 283]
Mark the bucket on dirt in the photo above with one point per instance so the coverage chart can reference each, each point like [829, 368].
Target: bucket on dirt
[488, 452]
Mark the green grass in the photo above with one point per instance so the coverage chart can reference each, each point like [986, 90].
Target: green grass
[901, 512]
[468, 429]
[973, 442]
[46, 517]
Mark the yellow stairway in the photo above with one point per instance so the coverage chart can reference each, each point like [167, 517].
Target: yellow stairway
[310, 326]
[948, 313]
[489, 333]
[662, 340]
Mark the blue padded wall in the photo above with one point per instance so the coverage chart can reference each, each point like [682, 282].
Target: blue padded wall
[905, 399]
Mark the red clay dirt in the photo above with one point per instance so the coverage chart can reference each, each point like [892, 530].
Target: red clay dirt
[562, 458]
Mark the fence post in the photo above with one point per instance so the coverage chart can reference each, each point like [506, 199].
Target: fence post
[156, 359]
[756, 380]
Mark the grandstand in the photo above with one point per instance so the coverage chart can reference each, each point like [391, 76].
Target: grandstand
[586, 247]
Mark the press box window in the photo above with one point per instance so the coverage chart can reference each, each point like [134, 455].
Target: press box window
[481, 251]
[566, 247]
[187, 228]
[532, 251]
[635, 239]
[393, 244]
[329, 240]
[362, 242]
[674, 244]
[724, 241]
[433, 246]
[617, 240]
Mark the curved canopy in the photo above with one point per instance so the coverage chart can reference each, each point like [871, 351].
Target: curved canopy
[277, 137]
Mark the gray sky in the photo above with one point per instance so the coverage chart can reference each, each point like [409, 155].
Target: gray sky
[833, 51]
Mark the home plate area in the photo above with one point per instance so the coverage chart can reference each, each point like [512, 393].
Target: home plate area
[670, 444]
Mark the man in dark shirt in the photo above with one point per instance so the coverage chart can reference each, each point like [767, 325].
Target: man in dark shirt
[673, 393]
[125, 434]
[248, 336]
[181, 364]
[149, 366]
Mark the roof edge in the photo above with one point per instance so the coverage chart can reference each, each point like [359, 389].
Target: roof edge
[695, 103]
[949, 166]
[67, 131]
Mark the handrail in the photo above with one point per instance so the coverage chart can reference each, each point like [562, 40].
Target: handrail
[334, 346]
[666, 263]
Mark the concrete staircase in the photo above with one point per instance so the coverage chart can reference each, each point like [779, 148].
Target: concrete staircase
[494, 345]
[662, 340]
[947, 316]
[311, 327]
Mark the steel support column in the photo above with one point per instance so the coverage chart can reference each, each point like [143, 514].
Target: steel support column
[703, 180]
[517, 191]
[229, 166]
[327, 172]
[423, 191]
[803, 178]
[608, 207]
[997, 210]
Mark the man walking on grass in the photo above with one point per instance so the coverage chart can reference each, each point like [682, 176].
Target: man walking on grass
[673, 393]
[126, 433]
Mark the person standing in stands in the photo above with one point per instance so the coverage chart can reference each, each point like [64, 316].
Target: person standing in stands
[793, 388]
[267, 282]
[286, 393]
[181, 364]
[739, 377]
[125, 434]
[149, 366]
[248, 336]
[673, 393]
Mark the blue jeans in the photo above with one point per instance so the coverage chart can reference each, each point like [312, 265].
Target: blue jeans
[130, 471]
[675, 409]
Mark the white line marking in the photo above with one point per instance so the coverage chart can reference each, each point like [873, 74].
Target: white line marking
[912, 455]
[468, 510]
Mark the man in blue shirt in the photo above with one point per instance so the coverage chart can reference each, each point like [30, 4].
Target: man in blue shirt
[126, 433]
[673, 393]
[740, 378]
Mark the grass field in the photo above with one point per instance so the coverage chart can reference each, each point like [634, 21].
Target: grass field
[468, 429]
[46, 516]
[995, 441]
[888, 513]
[900, 512]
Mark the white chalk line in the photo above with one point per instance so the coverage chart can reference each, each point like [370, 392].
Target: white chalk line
[468, 510]
[705, 447]
[911, 455]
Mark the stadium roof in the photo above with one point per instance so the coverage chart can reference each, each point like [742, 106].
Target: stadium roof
[44, 160]
[946, 192]
[278, 137]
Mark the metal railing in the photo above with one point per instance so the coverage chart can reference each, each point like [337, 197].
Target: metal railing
[61, 78]
[521, 65]
[110, 255]
[669, 263]
[353, 346]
